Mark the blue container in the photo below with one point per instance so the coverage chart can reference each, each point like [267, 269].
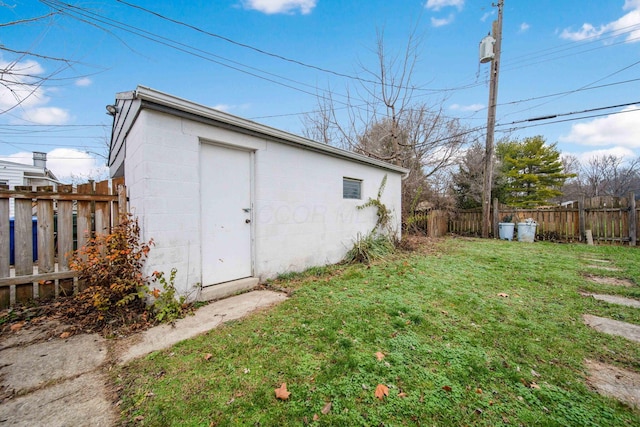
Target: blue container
[12, 244]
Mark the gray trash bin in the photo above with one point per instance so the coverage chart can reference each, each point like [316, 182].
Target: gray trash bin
[505, 230]
[527, 231]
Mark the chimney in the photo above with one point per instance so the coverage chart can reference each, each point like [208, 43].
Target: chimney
[40, 159]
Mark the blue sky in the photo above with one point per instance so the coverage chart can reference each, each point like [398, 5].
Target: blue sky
[558, 57]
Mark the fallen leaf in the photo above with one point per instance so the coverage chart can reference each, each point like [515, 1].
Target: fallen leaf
[282, 393]
[534, 373]
[315, 417]
[208, 356]
[479, 390]
[65, 335]
[403, 394]
[326, 409]
[446, 388]
[379, 355]
[536, 386]
[17, 326]
[382, 391]
[503, 295]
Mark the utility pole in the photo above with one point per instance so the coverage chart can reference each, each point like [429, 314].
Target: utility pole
[491, 124]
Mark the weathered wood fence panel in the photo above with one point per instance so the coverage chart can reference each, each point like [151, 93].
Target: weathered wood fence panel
[611, 220]
[44, 235]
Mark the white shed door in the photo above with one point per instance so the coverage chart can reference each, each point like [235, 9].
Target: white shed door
[225, 182]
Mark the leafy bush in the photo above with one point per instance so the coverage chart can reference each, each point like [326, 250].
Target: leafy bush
[166, 307]
[111, 265]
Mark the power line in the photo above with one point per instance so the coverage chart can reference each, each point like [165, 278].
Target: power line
[85, 15]
[567, 120]
[585, 87]
[275, 55]
[569, 92]
[553, 116]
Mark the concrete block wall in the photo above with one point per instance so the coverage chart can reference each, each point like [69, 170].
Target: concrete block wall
[161, 170]
[300, 217]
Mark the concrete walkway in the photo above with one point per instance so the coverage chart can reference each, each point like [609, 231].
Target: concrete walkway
[206, 318]
[62, 382]
[609, 380]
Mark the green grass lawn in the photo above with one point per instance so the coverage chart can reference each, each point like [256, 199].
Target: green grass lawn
[456, 352]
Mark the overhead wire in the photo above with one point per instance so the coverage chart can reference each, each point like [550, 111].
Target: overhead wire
[566, 120]
[150, 35]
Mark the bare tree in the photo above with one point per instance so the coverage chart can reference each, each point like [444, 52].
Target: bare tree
[466, 182]
[572, 188]
[22, 77]
[610, 175]
[383, 120]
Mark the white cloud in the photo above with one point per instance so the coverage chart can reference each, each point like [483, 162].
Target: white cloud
[471, 107]
[619, 130]
[615, 151]
[487, 15]
[222, 107]
[618, 27]
[68, 164]
[443, 21]
[231, 107]
[271, 7]
[18, 87]
[439, 4]
[84, 81]
[524, 27]
[46, 115]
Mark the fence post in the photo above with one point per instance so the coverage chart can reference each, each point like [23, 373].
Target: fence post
[4, 235]
[496, 218]
[581, 218]
[632, 219]
[122, 200]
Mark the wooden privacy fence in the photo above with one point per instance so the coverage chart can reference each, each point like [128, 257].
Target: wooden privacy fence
[433, 223]
[47, 226]
[616, 223]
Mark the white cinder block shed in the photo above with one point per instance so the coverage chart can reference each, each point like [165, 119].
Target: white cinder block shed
[229, 201]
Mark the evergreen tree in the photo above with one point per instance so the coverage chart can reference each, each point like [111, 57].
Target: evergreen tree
[532, 172]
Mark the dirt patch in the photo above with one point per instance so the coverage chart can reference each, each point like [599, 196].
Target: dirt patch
[613, 327]
[614, 299]
[613, 281]
[614, 382]
[420, 244]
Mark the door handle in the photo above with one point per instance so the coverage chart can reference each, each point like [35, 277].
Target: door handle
[247, 221]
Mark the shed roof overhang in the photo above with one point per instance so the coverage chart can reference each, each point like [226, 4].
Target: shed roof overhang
[159, 101]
